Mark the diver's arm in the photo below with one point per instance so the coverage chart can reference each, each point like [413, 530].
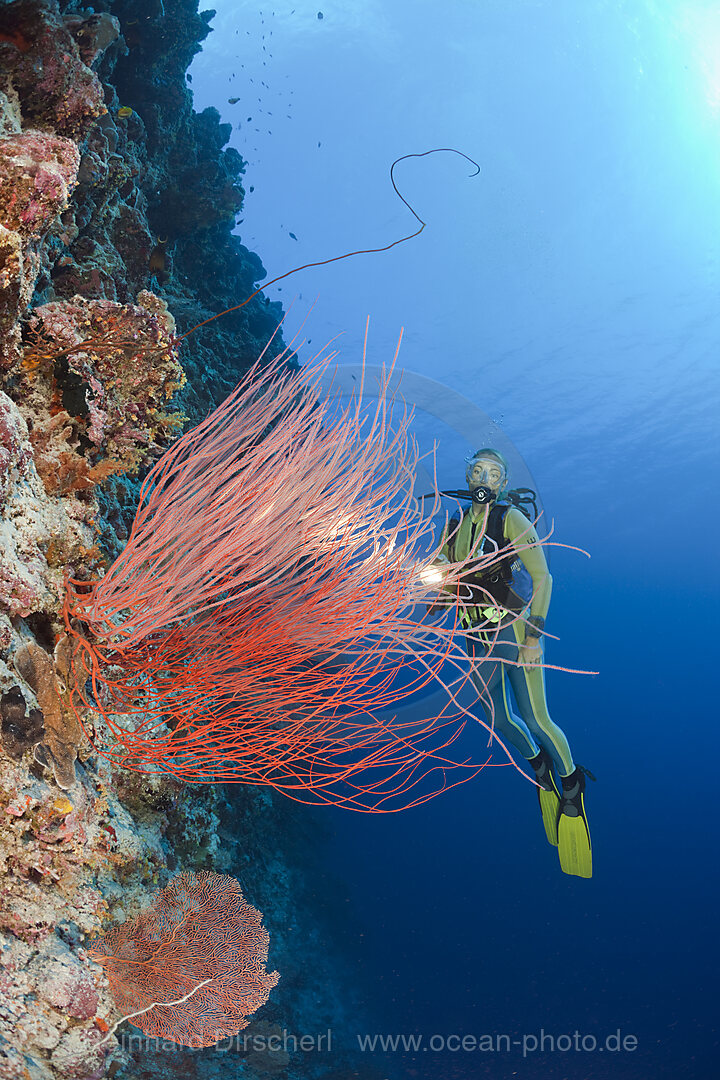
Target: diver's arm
[520, 532]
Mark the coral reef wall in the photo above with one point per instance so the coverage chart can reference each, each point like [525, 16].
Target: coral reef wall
[117, 205]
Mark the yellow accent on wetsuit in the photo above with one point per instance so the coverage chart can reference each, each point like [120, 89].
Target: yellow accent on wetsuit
[520, 533]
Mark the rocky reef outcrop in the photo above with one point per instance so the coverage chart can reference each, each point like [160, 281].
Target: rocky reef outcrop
[117, 207]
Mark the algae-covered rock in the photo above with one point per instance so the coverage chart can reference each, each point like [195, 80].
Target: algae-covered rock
[38, 172]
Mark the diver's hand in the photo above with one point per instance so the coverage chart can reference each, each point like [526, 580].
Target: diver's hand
[530, 654]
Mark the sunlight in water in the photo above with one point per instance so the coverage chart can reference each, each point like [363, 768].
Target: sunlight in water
[701, 23]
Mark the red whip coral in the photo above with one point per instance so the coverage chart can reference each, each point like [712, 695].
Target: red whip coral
[254, 628]
[199, 940]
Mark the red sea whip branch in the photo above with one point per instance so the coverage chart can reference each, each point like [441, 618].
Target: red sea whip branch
[254, 628]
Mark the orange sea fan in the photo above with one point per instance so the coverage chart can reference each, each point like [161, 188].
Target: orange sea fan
[191, 967]
[257, 624]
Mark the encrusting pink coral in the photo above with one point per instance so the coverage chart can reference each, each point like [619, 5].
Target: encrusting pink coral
[37, 174]
[125, 359]
[43, 59]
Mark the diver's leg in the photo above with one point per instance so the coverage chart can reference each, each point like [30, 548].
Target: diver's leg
[487, 653]
[572, 833]
[528, 686]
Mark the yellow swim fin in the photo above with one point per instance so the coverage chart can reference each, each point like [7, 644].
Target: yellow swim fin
[574, 846]
[548, 794]
[550, 810]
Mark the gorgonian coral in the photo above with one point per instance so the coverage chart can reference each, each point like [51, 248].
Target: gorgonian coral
[264, 616]
[191, 967]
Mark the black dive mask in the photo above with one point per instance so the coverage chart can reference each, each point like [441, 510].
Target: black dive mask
[482, 495]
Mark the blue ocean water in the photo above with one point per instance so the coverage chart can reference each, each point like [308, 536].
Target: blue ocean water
[571, 291]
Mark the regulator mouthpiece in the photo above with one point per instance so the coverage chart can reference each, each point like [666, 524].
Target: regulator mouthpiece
[482, 495]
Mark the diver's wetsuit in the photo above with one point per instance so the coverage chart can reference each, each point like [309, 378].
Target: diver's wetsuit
[489, 644]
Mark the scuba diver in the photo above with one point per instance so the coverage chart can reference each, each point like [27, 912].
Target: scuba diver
[505, 605]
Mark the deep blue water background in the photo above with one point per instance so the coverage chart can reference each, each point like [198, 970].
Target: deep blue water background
[572, 291]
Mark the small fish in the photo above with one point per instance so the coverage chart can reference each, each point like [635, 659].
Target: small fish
[292, 234]
[124, 111]
[233, 100]
[320, 15]
[157, 257]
